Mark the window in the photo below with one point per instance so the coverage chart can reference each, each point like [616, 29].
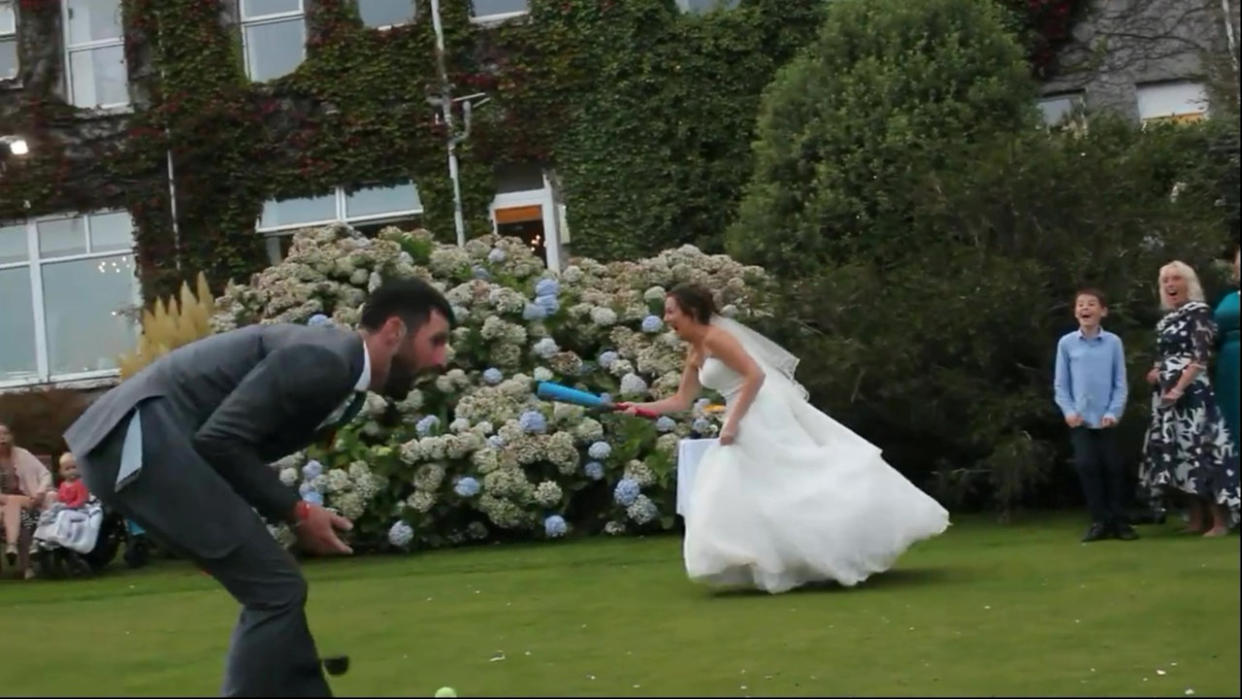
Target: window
[381, 14]
[701, 6]
[67, 282]
[1058, 108]
[8, 40]
[273, 37]
[95, 54]
[497, 10]
[1180, 100]
[367, 209]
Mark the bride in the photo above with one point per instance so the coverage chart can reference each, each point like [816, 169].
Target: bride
[788, 496]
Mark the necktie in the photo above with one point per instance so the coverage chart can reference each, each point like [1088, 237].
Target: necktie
[355, 406]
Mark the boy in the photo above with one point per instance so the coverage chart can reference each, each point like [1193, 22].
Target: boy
[1090, 390]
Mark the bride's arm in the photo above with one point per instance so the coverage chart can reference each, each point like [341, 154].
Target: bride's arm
[685, 395]
[725, 347]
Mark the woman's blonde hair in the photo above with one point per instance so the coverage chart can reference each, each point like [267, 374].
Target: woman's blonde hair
[1194, 290]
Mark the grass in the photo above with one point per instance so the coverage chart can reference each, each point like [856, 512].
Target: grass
[985, 609]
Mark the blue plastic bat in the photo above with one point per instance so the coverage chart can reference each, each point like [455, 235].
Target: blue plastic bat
[554, 391]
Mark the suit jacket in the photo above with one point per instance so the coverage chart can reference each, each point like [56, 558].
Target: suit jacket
[243, 398]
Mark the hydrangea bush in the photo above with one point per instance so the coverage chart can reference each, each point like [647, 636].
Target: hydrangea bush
[472, 454]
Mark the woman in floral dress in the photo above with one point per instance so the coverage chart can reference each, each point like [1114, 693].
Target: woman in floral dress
[1188, 450]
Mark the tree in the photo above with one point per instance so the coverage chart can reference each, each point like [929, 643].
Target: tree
[889, 90]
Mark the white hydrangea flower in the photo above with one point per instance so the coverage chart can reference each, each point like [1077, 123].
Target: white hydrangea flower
[633, 385]
[289, 476]
[548, 494]
[337, 480]
[421, 501]
[603, 317]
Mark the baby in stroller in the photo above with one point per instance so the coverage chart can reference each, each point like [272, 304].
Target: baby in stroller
[72, 537]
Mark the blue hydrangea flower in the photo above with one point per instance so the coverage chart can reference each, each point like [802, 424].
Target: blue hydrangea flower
[496, 441]
[555, 526]
[546, 347]
[599, 451]
[533, 422]
[400, 534]
[466, 487]
[534, 312]
[496, 256]
[480, 272]
[626, 492]
[319, 319]
[607, 359]
[652, 324]
[493, 376]
[312, 470]
[666, 424]
[426, 425]
[305, 488]
[606, 397]
[702, 426]
[547, 287]
[594, 470]
[550, 304]
[313, 497]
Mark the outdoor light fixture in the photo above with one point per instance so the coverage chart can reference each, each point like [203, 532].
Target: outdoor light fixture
[17, 145]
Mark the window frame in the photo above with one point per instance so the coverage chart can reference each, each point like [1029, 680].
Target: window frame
[245, 23]
[34, 264]
[273, 234]
[386, 27]
[15, 37]
[1204, 112]
[70, 48]
[499, 17]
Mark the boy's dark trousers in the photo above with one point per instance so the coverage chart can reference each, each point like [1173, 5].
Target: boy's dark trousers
[1099, 467]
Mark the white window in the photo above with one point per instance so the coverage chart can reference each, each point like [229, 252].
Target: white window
[95, 54]
[498, 10]
[273, 37]
[367, 209]
[67, 284]
[1180, 100]
[701, 6]
[1057, 108]
[381, 14]
[8, 40]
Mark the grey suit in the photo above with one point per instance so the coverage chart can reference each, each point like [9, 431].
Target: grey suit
[214, 414]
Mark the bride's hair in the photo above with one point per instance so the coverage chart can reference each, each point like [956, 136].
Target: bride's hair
[695, 301]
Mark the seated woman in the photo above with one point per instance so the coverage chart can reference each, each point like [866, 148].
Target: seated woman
[25, 487]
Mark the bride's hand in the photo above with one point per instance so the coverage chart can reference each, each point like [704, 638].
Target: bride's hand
[728, 435]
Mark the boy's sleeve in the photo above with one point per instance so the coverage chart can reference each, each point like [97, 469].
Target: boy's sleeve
[1061, 382]
[1121, 389]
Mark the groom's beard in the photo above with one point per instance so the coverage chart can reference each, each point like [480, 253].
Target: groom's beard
[401, 378]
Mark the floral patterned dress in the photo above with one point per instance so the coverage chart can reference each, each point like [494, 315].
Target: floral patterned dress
[1188, 448]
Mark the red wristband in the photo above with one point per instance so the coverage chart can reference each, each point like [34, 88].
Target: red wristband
[301, 510]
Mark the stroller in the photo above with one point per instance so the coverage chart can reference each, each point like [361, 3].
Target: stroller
[77, 542]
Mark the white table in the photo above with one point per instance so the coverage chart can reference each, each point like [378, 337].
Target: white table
[689, 453]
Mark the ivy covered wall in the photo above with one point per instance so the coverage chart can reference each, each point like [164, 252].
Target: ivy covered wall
[645, 113]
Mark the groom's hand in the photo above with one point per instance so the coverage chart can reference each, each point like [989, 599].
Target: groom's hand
[316, 530]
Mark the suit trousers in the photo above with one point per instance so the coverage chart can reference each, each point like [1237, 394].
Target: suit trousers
[1100, 472]
[184, 503]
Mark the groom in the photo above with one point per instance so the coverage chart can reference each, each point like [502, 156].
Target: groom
[183, 449]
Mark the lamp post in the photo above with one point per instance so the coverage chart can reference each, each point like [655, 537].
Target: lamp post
[445, 102]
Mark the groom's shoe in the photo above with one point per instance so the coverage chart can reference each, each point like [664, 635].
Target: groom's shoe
[1125, 532]
[1097, 531]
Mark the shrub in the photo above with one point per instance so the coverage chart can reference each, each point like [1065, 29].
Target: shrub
[472, 454]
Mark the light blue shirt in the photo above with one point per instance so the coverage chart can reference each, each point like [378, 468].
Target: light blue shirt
[1090, 378]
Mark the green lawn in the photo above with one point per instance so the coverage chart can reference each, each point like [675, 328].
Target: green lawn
[985, 609]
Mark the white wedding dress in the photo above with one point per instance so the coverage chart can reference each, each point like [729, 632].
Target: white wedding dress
[797, 497]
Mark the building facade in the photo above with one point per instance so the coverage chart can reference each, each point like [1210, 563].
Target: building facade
[169, 137]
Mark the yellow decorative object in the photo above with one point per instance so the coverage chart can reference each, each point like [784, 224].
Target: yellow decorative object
[169, 325]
